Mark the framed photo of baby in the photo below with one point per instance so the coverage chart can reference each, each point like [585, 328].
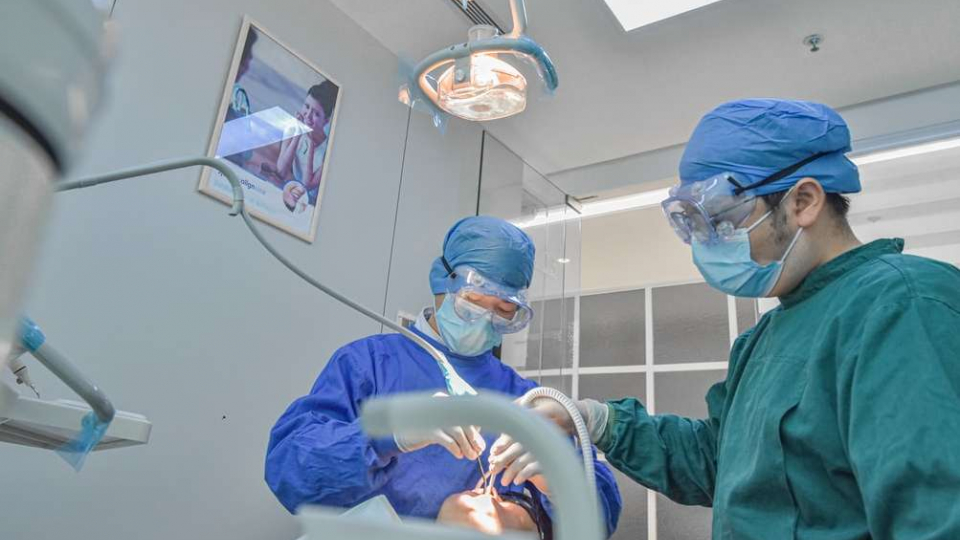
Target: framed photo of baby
[275, 128]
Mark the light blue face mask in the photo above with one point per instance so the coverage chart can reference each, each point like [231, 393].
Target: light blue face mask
[462, 337]
[727, 265]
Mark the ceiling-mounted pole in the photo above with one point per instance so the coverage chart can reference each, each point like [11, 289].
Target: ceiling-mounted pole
[519, 13]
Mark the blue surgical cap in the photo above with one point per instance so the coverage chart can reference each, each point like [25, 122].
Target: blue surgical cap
[760, 137]
[494, 247]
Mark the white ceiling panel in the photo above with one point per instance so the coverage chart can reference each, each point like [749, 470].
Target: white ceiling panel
[622, 93]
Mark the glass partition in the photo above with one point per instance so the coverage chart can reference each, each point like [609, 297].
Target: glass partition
[511, 189]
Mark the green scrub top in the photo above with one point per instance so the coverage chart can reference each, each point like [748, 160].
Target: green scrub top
[839, 418]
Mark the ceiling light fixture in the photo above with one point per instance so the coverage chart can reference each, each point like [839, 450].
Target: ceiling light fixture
[479, 80]
[906, 151]
[636, 201]
[482, 86]
[633, 14]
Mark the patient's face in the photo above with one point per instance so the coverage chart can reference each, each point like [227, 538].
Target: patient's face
[484, 513]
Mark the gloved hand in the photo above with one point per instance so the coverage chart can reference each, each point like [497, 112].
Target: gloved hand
[594, 414]
[462, 442]
[518, 465]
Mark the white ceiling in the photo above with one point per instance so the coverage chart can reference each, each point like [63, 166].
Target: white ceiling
[625, 93]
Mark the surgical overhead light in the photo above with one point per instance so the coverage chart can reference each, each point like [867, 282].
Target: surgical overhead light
[480, 80]
[482, 86]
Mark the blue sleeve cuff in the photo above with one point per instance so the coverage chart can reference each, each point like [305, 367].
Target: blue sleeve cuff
[31, 336]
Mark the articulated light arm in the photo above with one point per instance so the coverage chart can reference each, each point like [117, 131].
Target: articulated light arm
[239, 208]
[519, 14]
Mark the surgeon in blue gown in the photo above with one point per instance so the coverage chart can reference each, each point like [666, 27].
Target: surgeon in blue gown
[318, 452]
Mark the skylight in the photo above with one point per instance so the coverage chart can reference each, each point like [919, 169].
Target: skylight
[636, 13]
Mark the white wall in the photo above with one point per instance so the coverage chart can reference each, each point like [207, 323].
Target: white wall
[439, 187]
[631, 250]
[175, 309]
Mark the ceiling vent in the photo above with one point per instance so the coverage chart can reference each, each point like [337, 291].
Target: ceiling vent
[475, 13]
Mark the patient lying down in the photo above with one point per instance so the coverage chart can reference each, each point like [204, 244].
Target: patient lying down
[492, 513]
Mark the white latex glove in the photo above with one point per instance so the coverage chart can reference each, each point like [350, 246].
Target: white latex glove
[462, 442]
[594, 413]
[518, 465]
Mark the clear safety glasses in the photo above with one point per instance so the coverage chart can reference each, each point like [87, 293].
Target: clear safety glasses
[712, 210]
[708, 211]
[476, 297]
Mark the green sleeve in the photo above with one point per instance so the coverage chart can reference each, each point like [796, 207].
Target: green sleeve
[899, 413]
[670, 454]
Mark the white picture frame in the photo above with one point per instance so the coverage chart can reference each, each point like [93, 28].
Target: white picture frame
[275, 105]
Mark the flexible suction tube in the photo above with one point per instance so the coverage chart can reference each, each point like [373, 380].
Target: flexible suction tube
[583, 435]
[455, 383]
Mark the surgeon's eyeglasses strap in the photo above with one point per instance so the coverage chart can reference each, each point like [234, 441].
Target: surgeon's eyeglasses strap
[779, 175]
[450, 272]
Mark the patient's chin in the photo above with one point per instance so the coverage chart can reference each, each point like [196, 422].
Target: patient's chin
[485, 513]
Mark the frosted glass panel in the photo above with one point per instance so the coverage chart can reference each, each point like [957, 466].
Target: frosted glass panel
[561, 383]
[511, 189]
[557, 333]
[684, 392]
[746, 314]
[690, 324]
[633, 518]
[612, 329]
[610, 387]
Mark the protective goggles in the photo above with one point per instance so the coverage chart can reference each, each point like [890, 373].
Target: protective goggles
[708, 211]
[469, 289]
[712, 210]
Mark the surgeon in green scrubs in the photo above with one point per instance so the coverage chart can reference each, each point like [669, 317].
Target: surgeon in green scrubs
[840, 415]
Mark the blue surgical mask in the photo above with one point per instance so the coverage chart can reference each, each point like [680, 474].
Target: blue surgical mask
[465, 338]
[727, 265]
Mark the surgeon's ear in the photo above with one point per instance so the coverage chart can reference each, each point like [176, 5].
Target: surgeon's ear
[808, 202]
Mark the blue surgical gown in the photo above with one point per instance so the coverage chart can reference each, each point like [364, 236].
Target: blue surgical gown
[319, 454]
